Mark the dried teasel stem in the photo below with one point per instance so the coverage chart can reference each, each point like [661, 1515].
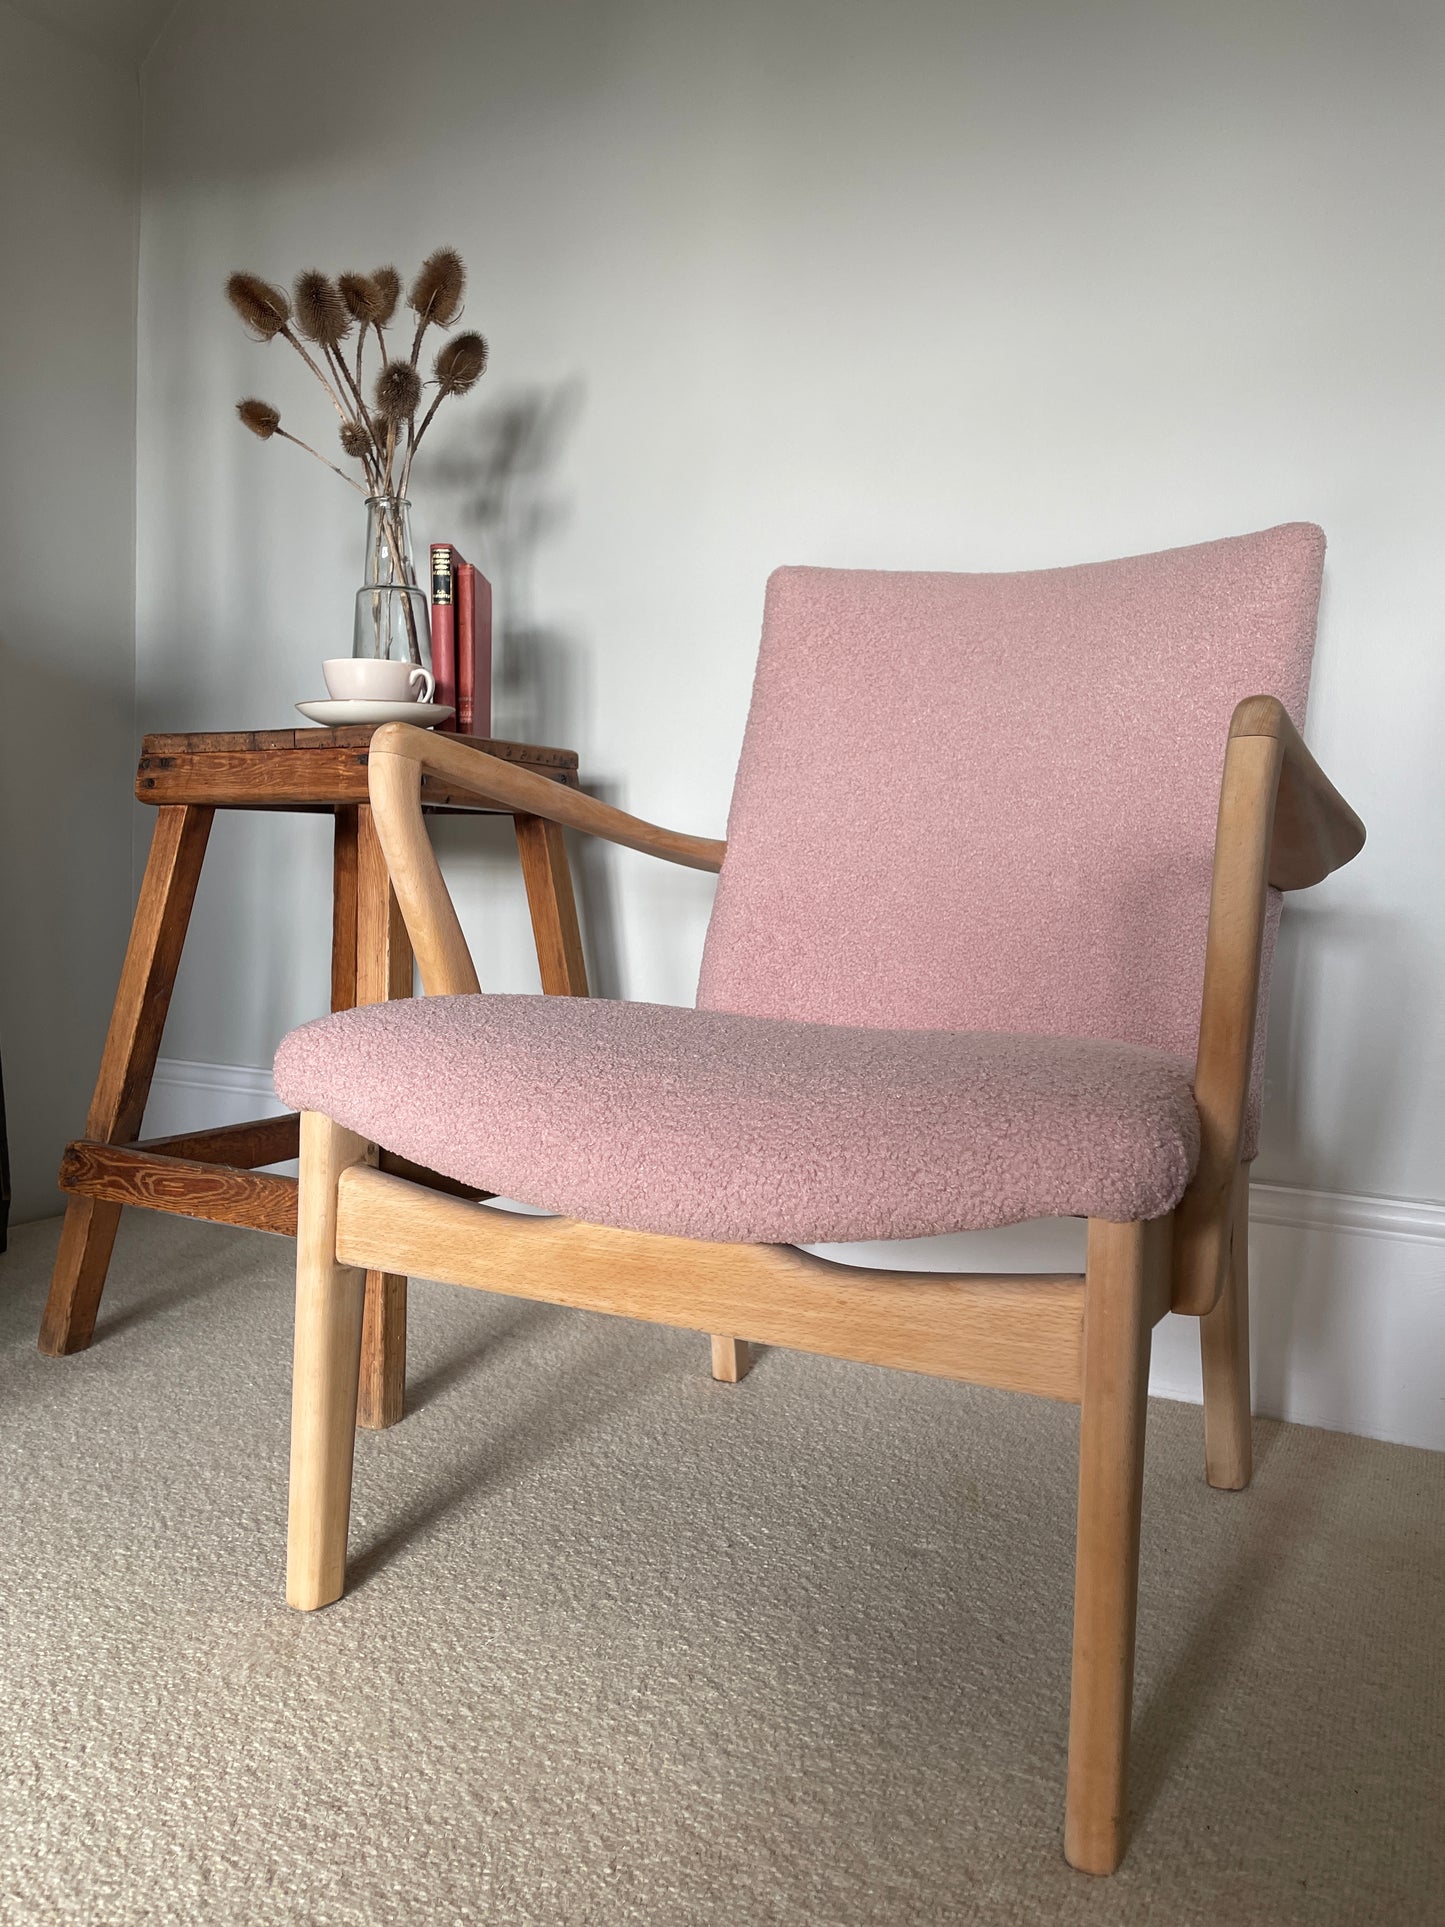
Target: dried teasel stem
[350, 480]
[264, 421]
[288, 334]
[460, 365]
[370, 455]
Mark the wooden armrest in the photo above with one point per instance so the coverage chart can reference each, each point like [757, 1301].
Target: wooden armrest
[399, 756]
[1281, 823]
[1315, 830]
[491, 780]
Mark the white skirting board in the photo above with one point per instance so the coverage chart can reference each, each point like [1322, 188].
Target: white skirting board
[1348, 1304]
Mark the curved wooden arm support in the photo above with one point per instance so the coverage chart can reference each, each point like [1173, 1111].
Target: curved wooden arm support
[493, 781]
[1282, 823]
[399, 757]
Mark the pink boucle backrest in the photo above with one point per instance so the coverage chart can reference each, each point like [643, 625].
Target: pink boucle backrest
[988, 802]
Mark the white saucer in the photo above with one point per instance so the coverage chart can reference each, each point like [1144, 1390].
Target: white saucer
[336, 715]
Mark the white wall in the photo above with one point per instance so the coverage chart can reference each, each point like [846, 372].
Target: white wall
[69, 208]
[797, 280]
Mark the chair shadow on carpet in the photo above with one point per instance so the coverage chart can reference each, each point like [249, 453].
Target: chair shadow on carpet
[527, 1317]
[1240, 1600]
[574, 1402]
[206, 1275]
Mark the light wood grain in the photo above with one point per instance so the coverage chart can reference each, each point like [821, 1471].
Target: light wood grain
[127, 1065]
[1023, 1333]
[1224, 1060]
[329, 1300]
[732, 1360]
[1224, 1355]
[1315, 831]
[1280, 822]
[383, 974]
[442, 956]
[468, 771]
[1126, 1278]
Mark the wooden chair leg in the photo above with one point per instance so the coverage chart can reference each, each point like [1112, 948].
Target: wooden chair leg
[329, 1300]
[127, 1064]
[732, 1359]
[383, 972]
[1127, 1270]
[1224, 1354]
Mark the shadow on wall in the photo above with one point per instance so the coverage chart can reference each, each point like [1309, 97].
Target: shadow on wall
[499, 474]
[1305, 1295]
[65, 756]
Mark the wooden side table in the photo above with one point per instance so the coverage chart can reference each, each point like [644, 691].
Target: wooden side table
[214, 1174]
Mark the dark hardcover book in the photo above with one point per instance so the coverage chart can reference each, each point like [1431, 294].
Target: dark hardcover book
[443, 626]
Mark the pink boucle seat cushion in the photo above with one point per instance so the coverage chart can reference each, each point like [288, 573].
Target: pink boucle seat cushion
[708, 1124]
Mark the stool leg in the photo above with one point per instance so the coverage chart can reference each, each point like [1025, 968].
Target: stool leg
[383, 972]
[87, 1238]
[127, 1064]
[553, 907]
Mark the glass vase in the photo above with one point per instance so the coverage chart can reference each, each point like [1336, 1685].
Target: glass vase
[393, 616]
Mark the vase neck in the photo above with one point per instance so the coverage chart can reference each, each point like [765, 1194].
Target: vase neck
[389, 557]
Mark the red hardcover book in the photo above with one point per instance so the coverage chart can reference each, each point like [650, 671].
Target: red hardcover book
[466, 616]
[474, 650]
[443, 626]
[474, 647]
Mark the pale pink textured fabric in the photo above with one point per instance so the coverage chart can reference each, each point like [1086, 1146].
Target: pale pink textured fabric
[710, 1125]
[987, 802]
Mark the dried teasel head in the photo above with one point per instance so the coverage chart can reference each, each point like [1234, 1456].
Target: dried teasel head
[436, 293]
[321, 314]
[362, 297]
[398, 391]
[461, 363]
[264, 309]
[355, 440]
[388, 287]
[260, 417]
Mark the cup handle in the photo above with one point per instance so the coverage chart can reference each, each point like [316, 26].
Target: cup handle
[428, 681]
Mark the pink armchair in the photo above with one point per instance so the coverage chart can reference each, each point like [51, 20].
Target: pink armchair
[990, 943]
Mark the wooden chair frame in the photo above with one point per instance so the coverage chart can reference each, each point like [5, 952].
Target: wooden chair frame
[1083, 1338]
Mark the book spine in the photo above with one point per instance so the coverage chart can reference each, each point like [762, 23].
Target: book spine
[443, 627]
[482, 656]
[466, 577]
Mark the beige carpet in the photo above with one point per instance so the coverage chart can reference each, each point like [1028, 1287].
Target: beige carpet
[627, 1646]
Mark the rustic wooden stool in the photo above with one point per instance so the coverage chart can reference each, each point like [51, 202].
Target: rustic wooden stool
[214, 1174]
